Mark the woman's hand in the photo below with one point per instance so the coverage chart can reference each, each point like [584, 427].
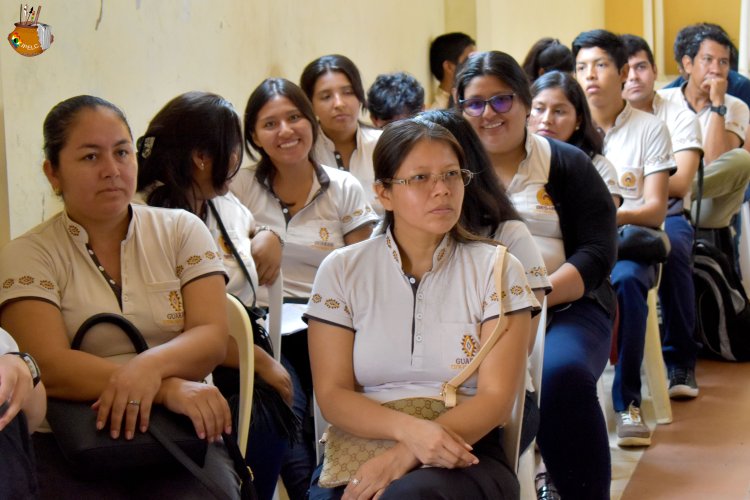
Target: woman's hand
[129, 394]
[374, 476]
[436, 445]
[203, 403]
[275, 374]
[16, 386]
[266, 251]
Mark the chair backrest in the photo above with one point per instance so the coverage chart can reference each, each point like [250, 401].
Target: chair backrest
[536, 360]
[512, 429]
[275, 300]
[241, 330]
[320, 428]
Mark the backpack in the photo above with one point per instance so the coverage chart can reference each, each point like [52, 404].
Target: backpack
[723, 312]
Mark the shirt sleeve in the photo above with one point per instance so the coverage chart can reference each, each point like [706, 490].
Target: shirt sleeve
[7, 344]
[737, 118]
[197, 254]
[515, 292]
[658, 155]
[354, 211]
[328, 300]
[26, 271]
[685, 131]
[516, 236]
[608, 173]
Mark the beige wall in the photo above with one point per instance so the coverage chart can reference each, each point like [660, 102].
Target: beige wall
[145, 52]
[512, 26]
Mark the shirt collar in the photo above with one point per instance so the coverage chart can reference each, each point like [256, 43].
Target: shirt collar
[78, 233]
[323, 181]
[439, 257]
[330, 146]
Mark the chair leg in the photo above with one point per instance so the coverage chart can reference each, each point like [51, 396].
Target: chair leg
[656, 372]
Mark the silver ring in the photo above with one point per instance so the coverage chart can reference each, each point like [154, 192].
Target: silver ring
[355, 481]
[134, 402]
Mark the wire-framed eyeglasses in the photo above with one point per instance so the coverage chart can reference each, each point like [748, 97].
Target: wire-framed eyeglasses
[426, 182]
[474, 106]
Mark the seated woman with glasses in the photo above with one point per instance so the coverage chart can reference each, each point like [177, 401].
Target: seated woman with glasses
[570, 213]
[367, 347]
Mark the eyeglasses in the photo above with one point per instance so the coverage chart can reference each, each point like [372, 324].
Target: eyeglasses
[426, 182]
[500, 103]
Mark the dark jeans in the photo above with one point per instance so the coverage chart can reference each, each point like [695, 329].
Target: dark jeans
[18, 478]
[573, 433]
[677, 296]
[632, 281]
[492, 478]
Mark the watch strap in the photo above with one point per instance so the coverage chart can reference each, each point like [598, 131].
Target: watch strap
[31, 363]
[720, 110]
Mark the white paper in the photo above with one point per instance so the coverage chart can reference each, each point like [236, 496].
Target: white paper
[291, 318]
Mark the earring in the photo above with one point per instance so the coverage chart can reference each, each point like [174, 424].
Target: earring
[201, 166]
[577, 127]
[57, 191]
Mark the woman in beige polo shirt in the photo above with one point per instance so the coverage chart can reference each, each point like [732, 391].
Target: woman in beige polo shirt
[158, 268]
[399, 314]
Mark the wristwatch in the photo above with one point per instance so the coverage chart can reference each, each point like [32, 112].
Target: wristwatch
[31, 363]
[720, 110]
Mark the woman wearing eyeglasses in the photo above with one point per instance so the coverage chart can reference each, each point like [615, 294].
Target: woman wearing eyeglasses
[367, 347]
[570, 213]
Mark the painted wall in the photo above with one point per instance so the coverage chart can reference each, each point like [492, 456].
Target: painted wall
[141, 53]
[512, 26]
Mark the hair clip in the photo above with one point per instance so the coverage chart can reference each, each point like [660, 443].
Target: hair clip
[145, 145]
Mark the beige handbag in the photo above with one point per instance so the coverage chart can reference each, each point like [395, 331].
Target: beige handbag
[345, 453]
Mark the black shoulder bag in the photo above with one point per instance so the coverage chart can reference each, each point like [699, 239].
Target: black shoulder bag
[268, 405]
[170, 440]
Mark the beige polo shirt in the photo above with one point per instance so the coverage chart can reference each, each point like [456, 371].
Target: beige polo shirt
[240, 224]
[736, 120]
[409, 336]
[529, 196]
[163, 250]
[360, 164]
[638, 145]
[608, 173]
[335, 207]
[516, 237]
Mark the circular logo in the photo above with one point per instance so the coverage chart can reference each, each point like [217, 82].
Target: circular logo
[628, 179]
[15, 39]
[543, 198]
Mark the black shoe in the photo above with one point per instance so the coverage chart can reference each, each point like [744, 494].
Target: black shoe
[682, 384]
[545, 489]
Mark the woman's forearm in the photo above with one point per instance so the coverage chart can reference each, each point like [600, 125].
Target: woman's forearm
[567, 285]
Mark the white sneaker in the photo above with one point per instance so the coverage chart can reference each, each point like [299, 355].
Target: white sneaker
[631, 430]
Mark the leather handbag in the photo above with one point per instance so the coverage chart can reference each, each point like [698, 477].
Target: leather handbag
[344, 452]
[642, 244]
[170, 441]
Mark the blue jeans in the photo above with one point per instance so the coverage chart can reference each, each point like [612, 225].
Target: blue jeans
[632, 281]
[573, 433]
[677, 296]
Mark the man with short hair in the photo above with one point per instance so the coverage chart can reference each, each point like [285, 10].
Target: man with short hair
[394, 96]
[447, 52]
[638, 145]
[723, 120]
[676, 289]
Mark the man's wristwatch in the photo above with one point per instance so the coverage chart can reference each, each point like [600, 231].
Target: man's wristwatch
[720, 110]
[31, 363]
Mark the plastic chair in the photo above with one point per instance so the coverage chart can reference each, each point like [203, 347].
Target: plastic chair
[241, 330]
[275, 300]
[653, 361]
[527, 462]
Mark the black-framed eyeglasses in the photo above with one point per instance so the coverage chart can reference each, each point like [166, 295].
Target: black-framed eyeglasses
[500, 103]
[426, 182]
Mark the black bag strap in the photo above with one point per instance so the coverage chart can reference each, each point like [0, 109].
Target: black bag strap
[253, 309]
[140, 345]
[698, 204]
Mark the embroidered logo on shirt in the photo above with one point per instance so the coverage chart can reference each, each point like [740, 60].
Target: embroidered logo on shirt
[544, 201]
[628, 180]
[323, 242]
[8, 283]
[175, 300]
[470, 347]
[224, 247]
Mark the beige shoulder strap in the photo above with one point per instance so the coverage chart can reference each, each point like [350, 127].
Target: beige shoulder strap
[448, 392]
